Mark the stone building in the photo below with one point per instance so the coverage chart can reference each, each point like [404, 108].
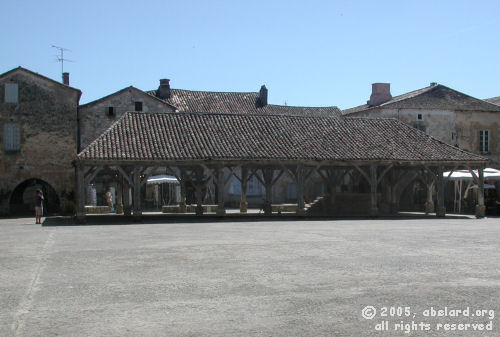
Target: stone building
[446, 114]
[451, 116]
[38, 141]
[97, 116]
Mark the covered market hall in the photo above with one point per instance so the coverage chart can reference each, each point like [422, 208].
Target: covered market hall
[364, 164]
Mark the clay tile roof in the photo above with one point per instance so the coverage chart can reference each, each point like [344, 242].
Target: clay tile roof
[236, 102]
[494, 100]
[434, 97]
[212, 137]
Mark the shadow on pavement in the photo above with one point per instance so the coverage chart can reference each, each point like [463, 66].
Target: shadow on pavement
[112, 219]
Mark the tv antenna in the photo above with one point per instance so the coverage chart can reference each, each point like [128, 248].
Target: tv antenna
[60, 57]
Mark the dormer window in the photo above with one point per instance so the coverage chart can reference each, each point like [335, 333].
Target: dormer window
[138, 106]
[111, 111]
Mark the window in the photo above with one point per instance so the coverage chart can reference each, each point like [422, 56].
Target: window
[484, 141]
[420, 117]
[110, 111]
[138, 106]
[11, 93]
[11, 137]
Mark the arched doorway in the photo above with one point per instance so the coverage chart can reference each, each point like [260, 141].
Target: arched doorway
[22, 200]
[414, 197]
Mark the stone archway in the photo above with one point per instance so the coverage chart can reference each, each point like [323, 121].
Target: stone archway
[22, 199]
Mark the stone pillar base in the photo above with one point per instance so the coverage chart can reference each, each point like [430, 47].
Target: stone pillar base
[393, 208]
[480, 211]
[80, 219]
[182, 208]
[374, 211]
[119, 208]
[268, 210]
[243, 207]
[429, 207]
[199, 210]
[441, 212]
[137, 215]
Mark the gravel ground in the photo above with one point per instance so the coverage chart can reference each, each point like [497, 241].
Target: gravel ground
[248, 277]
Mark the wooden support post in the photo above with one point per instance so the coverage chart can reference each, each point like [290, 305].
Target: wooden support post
[199, 196]
[441, 209]
[137, 194]
[220, 191]
[480, 207]
[429, 204]
[268, 183]
[80, 194]
[182, 203]
[300, 190]
[119, 196]
[373, 187]
[244, 182]
[127, 211]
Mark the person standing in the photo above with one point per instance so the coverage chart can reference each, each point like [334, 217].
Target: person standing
[38, 207]
[109, 199]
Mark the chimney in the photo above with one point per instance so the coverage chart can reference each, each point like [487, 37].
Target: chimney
[65, 78]
[262, 100]
[381, 93]
[163, 91]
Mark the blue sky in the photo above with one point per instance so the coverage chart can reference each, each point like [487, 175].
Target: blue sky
[312, 53]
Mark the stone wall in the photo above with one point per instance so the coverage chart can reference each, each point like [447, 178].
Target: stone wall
[95, 117]
[46, 113]
[469, 123]
[439, 124]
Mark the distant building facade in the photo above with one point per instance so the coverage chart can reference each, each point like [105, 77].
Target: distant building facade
[451, 116]
[97, 116]
[38, 142]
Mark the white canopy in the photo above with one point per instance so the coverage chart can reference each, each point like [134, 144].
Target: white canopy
[162, 179]
[489, 174]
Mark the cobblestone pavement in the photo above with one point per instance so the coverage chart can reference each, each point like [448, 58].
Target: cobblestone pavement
[244, 277]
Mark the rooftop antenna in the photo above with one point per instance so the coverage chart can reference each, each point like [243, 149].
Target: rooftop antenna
[60, 58]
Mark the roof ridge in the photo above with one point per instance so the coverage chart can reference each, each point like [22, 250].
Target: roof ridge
[303, 106]
[122, 90]
[214, 92]
[41, 76]
[207, 113]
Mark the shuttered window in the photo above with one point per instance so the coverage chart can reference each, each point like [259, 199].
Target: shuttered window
[484, 141]
[11, 93]
[11, 137]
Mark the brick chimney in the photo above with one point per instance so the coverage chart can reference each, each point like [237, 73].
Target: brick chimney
[262, 99]
[163, 91]
[381, 93]
[65, 78]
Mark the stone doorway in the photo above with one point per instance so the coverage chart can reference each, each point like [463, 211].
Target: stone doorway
[22, 200]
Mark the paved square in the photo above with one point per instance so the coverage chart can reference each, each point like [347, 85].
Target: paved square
[247, 278]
